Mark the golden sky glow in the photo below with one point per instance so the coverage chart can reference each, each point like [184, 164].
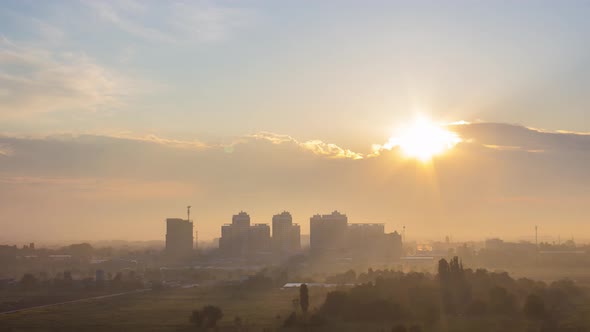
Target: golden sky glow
[121, 115]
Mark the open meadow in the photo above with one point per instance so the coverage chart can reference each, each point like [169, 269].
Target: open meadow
[166, 310]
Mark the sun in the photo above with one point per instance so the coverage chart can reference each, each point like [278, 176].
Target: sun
[424, 139]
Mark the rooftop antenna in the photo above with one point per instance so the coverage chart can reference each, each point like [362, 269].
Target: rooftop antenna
[188, 213]
[404, 233]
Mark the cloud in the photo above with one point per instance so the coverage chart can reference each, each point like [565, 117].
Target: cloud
[5, 150]
[177, 21]
[121, 15]
[502, 136]
[36, 81]
[97, 184]
[510, 148]
[183, 144]
[318, 147]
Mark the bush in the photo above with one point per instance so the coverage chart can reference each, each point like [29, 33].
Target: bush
[207, 317]
[415, 328]
[196, 318]
[317, 320]
[291, 320]
[534, 307]
[399, 328]
[29, 282]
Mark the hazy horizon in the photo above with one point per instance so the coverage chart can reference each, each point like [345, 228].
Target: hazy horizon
[116, 115]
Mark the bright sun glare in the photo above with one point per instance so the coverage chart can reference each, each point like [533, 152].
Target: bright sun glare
[424, 139]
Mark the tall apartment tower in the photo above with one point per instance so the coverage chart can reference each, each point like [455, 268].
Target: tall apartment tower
[328, 233]
[179, 237]
[241, 239]
[286, 236]
[234, 236]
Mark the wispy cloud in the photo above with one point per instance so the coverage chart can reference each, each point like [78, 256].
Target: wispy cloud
[175, 143]
[5, 150]
[511, 148]
[502, 136]
[198, 21]
[35, 80]
[318, 147]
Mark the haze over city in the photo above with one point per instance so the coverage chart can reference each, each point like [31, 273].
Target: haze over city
[125, 112]
[284, 166]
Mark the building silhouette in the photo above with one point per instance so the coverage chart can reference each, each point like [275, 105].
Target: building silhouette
[259, 241]
[241, 239]
[286, 236]
[179, 237]
[393, 246]
[331, 236]
[328, 233]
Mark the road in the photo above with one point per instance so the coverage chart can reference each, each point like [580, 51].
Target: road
[75, 301]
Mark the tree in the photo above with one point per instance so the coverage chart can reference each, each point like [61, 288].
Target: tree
[212, 315]
[117, 281]
[207, 317]
[415, 328]
[304, 298]
[295, 303]
[336, 303]
[534, 307]
[28, 281]
[68, 280]
[196, 318]
[399, 328]
[317, 320]
[291, 320]
[443, 270]
[501, 302]
[238, 322]
[477, 308]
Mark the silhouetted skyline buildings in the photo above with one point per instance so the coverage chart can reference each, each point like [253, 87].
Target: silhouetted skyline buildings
[241, 239]
[286, 236]
[327, 233]
[331, 236]
[179, 237]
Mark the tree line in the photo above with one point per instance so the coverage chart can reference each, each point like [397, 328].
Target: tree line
[459, 299]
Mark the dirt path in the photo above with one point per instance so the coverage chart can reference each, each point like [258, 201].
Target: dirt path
[75, 301]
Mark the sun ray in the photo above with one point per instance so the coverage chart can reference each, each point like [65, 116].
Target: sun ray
[423, 139]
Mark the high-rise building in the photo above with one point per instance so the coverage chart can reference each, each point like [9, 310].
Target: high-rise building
[241, 219]
[240, 239]
[367, 242]
[332, 236]
[328, 233]
[393, 247]
[234, 236]
[286, 236]
[179, 237]
[365, 234]
[259, 238]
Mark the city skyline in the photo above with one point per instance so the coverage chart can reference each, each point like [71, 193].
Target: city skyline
[126, 111]
[257, 165]
[332, 237]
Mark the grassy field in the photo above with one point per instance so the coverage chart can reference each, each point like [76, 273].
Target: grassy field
[166, 310]
[169, 310]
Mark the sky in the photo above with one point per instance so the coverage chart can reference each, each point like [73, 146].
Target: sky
[117, 114]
